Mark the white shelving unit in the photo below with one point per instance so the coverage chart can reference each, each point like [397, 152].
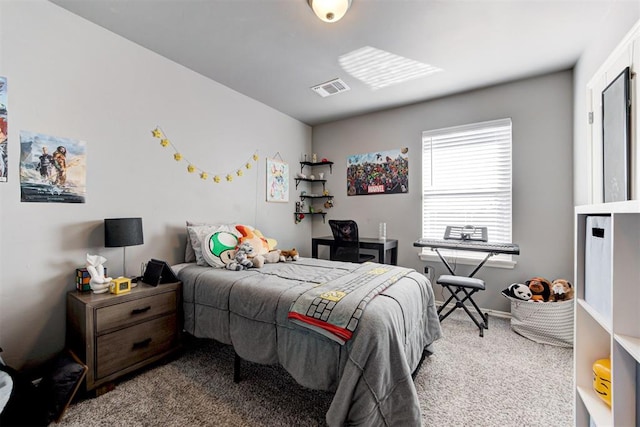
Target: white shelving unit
[597, 337]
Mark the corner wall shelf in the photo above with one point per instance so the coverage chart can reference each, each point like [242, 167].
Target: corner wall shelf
[300, 215]
[306, 196]
[312, 164]
[310, 180]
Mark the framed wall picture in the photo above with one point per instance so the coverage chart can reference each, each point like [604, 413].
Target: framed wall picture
[53, 169]
[378, 172]
[277, 181]
[616, 138]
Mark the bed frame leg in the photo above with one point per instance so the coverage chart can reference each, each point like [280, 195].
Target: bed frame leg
[236, 367]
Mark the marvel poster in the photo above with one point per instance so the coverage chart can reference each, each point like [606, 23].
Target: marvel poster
[52, 169]
[380, 172]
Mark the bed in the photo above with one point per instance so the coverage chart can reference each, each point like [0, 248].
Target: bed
[370, 373]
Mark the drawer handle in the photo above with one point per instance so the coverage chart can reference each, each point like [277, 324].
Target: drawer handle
[141, 344]
[140, 310]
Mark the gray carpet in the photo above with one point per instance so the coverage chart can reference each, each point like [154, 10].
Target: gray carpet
[501, 380]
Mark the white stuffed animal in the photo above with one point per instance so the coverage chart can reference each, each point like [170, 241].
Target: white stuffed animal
[98, 283]
[241, 259]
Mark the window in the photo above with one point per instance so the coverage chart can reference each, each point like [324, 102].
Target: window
[466, 180]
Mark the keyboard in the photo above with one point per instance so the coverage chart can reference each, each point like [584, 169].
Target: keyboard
[469, 245]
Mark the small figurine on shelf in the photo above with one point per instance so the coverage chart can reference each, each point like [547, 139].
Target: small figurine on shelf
[314, 158]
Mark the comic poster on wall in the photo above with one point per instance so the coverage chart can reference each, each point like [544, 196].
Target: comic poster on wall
[380, 172]
[52, 169]
[277, 181]
[4, 135]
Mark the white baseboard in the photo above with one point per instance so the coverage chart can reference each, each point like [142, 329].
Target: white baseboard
[496, 313]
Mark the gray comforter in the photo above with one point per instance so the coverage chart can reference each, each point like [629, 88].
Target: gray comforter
[370, 374]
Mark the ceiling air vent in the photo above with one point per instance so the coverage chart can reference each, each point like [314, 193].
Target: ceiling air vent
[330, 88]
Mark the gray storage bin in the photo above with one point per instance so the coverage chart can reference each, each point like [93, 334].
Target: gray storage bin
[597, 265]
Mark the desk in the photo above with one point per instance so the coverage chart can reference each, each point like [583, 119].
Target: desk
[387, 249]
[490, 249]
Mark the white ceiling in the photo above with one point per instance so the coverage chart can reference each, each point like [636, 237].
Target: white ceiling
[275, 50]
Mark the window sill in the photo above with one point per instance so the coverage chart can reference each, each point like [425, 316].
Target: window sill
[466, 260]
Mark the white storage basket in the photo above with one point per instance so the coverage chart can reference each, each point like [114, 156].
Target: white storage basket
[543, 322]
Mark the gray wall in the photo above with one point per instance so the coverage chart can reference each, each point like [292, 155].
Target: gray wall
[541, 113]
[70, 78]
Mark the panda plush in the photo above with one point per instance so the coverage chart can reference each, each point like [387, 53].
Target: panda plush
[519, 291]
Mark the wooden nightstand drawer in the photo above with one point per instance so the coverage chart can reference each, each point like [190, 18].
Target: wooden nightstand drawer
[122, 315]
[118, 334]
[134, 344]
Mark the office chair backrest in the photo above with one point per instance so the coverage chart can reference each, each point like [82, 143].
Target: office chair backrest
[344, 230]
[345, 233]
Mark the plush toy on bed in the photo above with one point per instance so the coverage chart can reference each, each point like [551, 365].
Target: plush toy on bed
[561, 290]
[518, 291]
[241, 259]
[270, 257]
[263, 248]
[540, 289]
[291, 255]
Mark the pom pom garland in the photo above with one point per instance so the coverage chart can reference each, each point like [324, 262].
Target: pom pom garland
[191, 168]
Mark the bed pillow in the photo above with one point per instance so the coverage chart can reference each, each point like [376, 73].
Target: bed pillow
[218, 247]
[189, 252]
[197, 233]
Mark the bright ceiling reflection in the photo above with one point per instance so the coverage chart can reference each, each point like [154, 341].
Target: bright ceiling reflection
[378, 68]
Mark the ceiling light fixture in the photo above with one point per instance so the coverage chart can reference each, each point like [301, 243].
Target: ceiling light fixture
[330, 10]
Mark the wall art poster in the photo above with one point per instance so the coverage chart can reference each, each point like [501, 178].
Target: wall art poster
[4, 153]
[380, 172]
[277, 181]
[52, 169]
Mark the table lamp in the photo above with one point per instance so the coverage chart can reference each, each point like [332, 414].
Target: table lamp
[123, 232]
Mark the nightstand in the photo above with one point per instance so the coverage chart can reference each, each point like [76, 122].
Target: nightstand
[117, 334]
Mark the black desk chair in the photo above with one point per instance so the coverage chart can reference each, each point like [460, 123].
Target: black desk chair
[347, 244]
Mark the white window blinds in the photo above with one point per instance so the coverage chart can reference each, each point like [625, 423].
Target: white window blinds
[466, 179]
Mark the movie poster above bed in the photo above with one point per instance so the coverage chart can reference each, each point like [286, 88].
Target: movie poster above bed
[380, 172]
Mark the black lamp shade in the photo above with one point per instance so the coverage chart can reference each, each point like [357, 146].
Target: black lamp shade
[119, 232]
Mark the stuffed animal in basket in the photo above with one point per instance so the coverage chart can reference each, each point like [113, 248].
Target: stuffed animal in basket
[518, 291]
[540, 289]
[291, 255]
[241, 259]
[561, 290]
